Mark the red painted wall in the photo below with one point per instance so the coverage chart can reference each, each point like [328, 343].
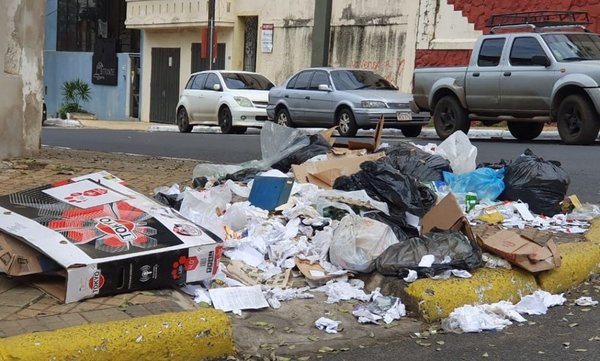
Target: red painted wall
[479, 11]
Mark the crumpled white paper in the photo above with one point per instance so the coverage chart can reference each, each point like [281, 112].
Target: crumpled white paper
[411, 277]
[585, 301]
[539, 302]
[386, 308]
[343, 291]
[199, 293]
[327, 324]
[275, 295]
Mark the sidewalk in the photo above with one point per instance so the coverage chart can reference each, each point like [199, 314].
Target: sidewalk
[428, 132]
[289, 331]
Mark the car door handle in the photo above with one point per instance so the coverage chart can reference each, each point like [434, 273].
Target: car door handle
[286, 96]
[307, 98]
[476, 75]
[507, 73]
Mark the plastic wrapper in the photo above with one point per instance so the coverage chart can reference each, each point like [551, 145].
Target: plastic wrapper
[409, 159]
[318, 145]
[277, 142]
[541, 184]
[397, 223]
[202, 208]
[358, 241]
[459, 151]
[486, 182]
[383, 182]
[171, 200]
[443, 245]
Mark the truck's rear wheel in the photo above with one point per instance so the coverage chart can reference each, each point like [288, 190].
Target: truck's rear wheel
[411, 131]
[577, 120]
[449, 117]
[525, 130]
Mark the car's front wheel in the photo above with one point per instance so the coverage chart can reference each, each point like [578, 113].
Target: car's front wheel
[225, 121]
[577, 120]
[282, 117]
[183, 121]
[525, 130]
[449, 116]
[346, 123]
[411, 131]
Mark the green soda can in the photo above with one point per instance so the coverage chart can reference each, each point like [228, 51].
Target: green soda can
[470, 201]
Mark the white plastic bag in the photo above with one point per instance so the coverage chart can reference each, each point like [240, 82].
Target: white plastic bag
[238, 215]
[202, 207]
[460, 152]
[357, 241]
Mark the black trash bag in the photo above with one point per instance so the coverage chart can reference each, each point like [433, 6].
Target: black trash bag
[241, 175]
[169, 200]
[397, 223]
[408, 159]
[318, 145]
[383, 182]
[540, 183]
[397, 259]
[199, 182]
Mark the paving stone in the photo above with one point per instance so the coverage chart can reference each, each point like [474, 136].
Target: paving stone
[73, 319]
[144, 299]
[6, 283]
[137, 311]
[20, 296]
[52, 322]
[104, 315]
[6, 311]
[11, 328]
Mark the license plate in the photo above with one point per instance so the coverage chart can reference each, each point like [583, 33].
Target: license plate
[404, 116]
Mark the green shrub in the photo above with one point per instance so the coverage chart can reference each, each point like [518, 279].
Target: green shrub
[74, 92]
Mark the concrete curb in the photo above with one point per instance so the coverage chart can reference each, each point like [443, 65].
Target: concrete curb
[195, 335]
[434, 300]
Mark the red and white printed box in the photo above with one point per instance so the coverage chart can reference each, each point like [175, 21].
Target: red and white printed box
[92, 236]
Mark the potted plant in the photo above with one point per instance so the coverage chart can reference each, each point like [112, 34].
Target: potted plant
[74, 93]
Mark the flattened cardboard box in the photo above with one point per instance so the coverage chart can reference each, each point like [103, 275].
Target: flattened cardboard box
[92, 236]
[447, 215]
[522, 251]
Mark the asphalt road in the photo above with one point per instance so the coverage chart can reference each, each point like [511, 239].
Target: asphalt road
[580, 162]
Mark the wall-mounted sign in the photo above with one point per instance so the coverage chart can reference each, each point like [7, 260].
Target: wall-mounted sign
[266, 37]
[104, 62]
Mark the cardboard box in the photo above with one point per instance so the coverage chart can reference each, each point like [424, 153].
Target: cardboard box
[522, 251]
[447, 215]
[372, 146]
[102, 238]
[324, 173]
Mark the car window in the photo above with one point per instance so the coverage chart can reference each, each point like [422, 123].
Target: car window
[199, 81]
[490, 52]
[188, 85]
[319, 78]
[523, 50]
[292, 82]
[211, 80]
[573, 47]
[359, 79]
[246, 81]
[303, 80]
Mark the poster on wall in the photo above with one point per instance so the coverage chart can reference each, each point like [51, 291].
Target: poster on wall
[267, 38]
[105, 62]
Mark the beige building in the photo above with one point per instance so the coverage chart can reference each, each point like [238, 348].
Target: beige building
[274, 38]
[21, 50]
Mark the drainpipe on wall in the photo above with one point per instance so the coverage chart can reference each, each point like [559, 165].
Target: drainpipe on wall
[211, 32]
[320, 34]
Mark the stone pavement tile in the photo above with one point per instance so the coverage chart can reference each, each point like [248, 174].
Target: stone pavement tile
[20, 296]
[32, 325]
[84, 306]
[141, 299]
[6, 283]
[52, 322]
[137, 311]
[6, 311]
[73, 319]
[28, 313]
[11, 328]
[104, 315]
[162, 307]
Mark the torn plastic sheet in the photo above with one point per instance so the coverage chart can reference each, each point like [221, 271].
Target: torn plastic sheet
[275, 295]
[203, 207]
[458, 149]
[386, 308]
[498, 315]
[328, 325]
[343, 291]
[493, 261]
[199, 293]
[358, 198]
[585, 301]
[539, 302]
[237, 215]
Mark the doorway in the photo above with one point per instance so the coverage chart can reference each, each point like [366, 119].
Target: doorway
[164, 84]
[134, 86]
[250, 40]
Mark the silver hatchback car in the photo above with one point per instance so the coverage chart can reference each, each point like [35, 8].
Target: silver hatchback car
[351, 99]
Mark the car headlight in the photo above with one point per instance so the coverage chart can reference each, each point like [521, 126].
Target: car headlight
[372, 104]
[243, 101]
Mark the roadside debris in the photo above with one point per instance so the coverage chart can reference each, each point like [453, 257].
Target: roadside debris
[585, 301]
[310, 216]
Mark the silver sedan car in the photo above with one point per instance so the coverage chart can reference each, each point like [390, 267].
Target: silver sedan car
[351, 99]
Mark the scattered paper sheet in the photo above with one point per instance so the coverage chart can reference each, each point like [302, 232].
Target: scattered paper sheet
[238, 298]
[327, 324]
[585, 301]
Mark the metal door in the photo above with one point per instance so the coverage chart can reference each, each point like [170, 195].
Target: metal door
[164, 84]
[199, 63]
[483, 78]
[250, 36]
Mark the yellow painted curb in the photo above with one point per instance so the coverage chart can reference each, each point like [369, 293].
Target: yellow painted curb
[578, 261]
[593, 234]
[435, 299]
[196, 335]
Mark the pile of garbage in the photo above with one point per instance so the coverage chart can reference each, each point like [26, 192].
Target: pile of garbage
[325, 212]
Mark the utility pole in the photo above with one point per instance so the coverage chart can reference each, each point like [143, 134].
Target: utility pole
[211, 32]
[320, 35]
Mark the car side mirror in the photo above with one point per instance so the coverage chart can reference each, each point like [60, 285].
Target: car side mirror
[217, 87]
[325, 87]
[540, 60]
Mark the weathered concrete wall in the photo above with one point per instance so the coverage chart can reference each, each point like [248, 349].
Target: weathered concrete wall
[21, 74]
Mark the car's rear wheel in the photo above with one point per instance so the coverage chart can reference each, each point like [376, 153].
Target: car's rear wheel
[577, 120]
[283, 118]
[449, 116]
[346, 123]
[183, 121]
[225, 121]
[525, 130]
[411, 131]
